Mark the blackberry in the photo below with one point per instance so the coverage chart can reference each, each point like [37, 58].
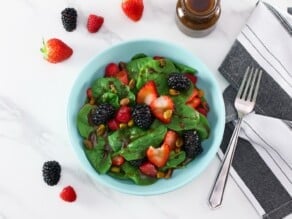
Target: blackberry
[191, 143]
[142, 116]
[69, 19]
[178, 81]
[102, 113]
[51, 172]
[138, 162]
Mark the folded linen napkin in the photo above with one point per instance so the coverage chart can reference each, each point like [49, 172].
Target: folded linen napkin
[262, 165]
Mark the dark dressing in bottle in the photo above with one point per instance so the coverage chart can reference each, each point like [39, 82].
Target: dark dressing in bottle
[197, 18]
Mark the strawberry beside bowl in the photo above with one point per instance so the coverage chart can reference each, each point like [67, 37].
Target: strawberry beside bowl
[216, 117]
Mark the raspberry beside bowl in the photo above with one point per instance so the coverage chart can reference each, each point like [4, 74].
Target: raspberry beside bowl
[123, 52]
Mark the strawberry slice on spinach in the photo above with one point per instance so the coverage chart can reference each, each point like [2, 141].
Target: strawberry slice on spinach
[186, 118]
[136, 149]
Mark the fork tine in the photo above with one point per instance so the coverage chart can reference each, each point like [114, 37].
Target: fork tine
[242, 83]
[257, 86]
[251, 90]
[247, 84]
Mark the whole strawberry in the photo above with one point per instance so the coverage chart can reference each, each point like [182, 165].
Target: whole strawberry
[94, 23]
[133, 9]
[55, 50]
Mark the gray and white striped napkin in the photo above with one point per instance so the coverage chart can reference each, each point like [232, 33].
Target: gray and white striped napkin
[262, 165]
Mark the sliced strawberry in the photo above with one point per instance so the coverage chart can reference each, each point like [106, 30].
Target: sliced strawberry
[205, 105]
[191, 77]
[118, 160]
[203, 108]
[170, 138]
[148, 169]
[195, 103]
[202, 111]
[194, 99]
[158, 156]
[193, 96]
[123, 114]
[133, 9]
[113, 125]
[123, 76]
[147, 93]
[111, 70]
[162, 108]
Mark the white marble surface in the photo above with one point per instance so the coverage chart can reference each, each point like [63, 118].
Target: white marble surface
[33, 98]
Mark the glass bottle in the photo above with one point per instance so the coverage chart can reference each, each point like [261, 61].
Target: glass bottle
[197, 18]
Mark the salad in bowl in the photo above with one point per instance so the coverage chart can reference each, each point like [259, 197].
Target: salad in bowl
[147, 124]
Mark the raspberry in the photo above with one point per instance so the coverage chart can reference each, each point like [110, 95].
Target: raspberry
[68, 194]
[94, 23]
[69, 19]
[148, 169]
[113, 125]
[111, 70]
[51, 172]
[123, 114]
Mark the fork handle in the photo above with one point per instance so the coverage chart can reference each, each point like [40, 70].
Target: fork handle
[216, 196]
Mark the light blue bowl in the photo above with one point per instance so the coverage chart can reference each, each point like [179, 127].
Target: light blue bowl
[123, 52]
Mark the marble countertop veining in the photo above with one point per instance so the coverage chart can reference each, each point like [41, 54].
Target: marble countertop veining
[33, 98]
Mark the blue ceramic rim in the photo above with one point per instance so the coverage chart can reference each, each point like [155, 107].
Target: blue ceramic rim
[141, 190]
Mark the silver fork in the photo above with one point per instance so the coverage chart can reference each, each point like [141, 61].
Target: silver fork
[244, 104]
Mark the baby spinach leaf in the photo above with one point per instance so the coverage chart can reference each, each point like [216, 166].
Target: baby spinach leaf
[116, 140]
[120, 175]
[184, 68]
[136, 149]
[145, 69]
[99, 158]
[175, 159]
[136, 65]
[111, 98]
[138, 56]
[122, 137]
[203, 127]
[111, 90]
[186, 118]
[135, 132]
[82, 121]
